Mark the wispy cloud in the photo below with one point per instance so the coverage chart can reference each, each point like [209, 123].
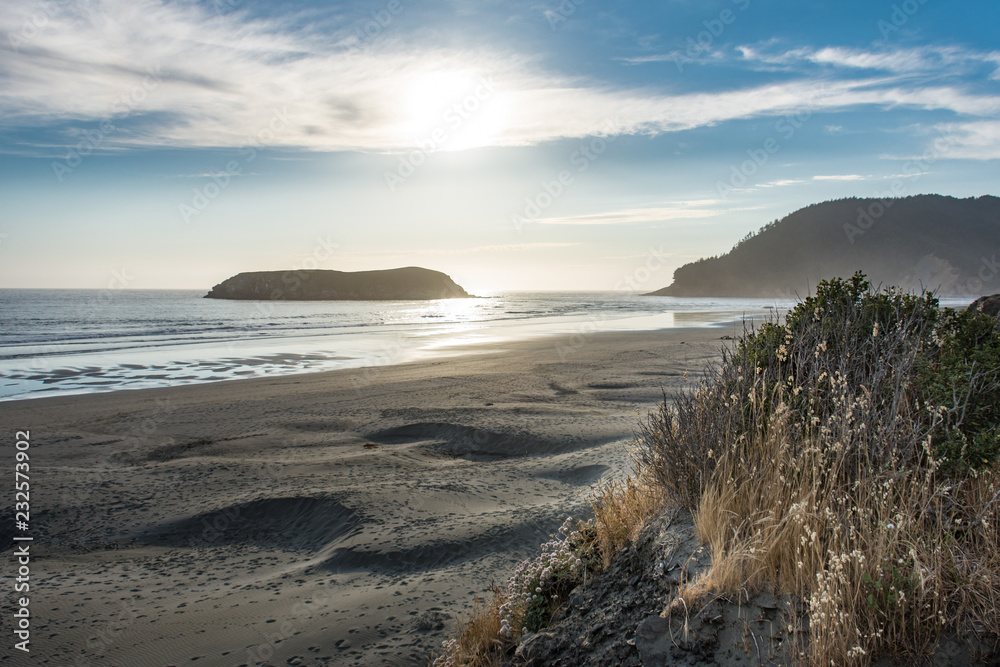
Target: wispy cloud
[501, 248]
[679, 56]
[978, 140]
[474, 250]
[918, 174]
[634, 216]
[215, 174]
[944, 59]
[839, 177]
[178, 75]
[651, 58]
[779, 183]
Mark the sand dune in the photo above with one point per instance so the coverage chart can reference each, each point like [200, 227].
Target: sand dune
[340, 518]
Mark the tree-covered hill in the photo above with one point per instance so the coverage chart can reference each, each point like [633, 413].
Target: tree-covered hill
[921, 242]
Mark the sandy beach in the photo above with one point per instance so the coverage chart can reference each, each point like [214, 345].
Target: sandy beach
[336, 518]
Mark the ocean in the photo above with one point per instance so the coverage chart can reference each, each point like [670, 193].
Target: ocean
[58, 342]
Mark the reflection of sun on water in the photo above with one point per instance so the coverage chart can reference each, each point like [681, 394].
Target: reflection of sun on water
[462, 322]
[453, 110]
[452, 317]
[463, 310]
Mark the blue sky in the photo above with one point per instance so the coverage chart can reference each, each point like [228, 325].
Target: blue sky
[513, 145]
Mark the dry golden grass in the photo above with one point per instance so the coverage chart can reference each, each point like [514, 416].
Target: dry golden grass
[885, 556]
[622, 508]
[477, 641]
[885, 559]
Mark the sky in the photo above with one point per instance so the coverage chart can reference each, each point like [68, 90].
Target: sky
[515, 145]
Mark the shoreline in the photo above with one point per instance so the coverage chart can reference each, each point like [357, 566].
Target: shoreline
[445, 348]
[340, 517]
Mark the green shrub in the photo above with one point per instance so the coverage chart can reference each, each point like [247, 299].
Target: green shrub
[955, 354]
[960, 382]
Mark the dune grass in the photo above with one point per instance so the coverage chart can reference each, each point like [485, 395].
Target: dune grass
[477, 639]
[622, 508]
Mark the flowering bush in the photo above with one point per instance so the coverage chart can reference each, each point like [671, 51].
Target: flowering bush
[539, 586]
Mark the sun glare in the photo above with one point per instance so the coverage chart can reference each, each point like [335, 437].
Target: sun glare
[453, 110]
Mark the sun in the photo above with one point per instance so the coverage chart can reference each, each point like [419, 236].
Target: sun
[430, 93]
[452, 110]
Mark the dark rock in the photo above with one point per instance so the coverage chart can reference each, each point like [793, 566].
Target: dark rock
[532, 647]
[319, 285]
[767, 601]
[653, 641]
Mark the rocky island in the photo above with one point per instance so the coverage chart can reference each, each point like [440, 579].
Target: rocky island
[410, 283]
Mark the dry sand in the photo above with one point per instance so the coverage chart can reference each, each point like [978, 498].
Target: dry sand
[339, 518]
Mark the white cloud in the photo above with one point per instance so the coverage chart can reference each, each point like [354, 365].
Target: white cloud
[839, 177]
[892, 177]
[897, 60]
[178, 75]
[944, 59]
[779, 183]
[978, 140]
[634, 216]
[680, 58]
[652, 58]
